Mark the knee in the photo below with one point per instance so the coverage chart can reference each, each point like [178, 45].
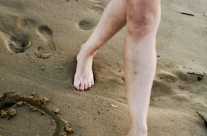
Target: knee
[143, 15]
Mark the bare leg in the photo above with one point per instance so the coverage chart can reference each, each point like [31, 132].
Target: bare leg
[143, 17]
[112, 20]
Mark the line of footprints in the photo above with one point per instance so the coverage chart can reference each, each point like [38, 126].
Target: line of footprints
[18, 40]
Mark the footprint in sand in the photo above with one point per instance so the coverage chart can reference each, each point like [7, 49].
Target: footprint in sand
[97, 6]
[160, 88]
[189, 75]
[19, 42]
[86, 24]
[17, 46]
[15, 32]
[165, 83]
[98, 2]
[9, 101]
[176, 81]
[46, 50]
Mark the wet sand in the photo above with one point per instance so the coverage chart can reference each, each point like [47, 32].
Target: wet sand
[38, 45]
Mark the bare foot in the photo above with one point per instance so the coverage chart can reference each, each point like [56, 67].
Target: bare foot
[83, 79]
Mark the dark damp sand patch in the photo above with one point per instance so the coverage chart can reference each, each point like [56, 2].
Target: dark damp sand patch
[12, 100]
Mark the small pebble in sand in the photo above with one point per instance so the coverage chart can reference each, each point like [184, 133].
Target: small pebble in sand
[56, 111]
[3, 113]
[43, 68]
[12, 112]
[114, 105]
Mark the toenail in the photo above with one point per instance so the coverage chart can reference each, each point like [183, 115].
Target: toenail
[76, 88]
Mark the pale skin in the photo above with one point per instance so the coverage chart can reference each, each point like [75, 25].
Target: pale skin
[141, 18]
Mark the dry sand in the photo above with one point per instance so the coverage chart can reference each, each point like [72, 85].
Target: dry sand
[39, 41]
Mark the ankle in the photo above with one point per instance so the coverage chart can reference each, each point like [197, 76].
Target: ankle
[87, 51]
[139, 129]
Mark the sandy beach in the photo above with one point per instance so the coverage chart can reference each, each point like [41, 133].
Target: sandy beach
[39, 41]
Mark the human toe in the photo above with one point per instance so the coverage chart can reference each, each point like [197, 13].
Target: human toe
[92, 83]
[86, 86]
[89, 85]
[81, 87]
[76, 86]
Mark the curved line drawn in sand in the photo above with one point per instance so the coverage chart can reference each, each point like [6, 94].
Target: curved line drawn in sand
[86, 24]
[62, 127]
[47, 50]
